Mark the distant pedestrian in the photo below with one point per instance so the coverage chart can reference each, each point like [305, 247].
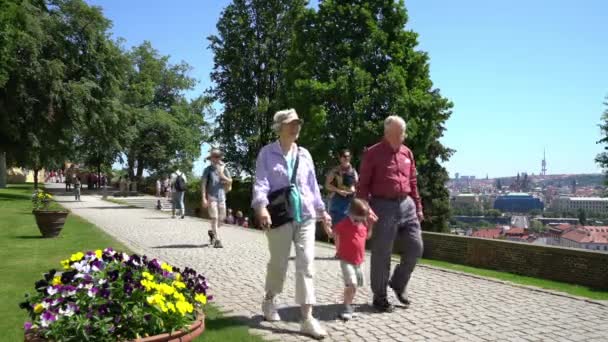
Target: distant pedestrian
[340, 182]
[229, 217]
[68, 181]
[238, 220]
[246, 222]
[215, 183]
[77, 186]
[352, 232]
[167, 187]
[158, 185]
[388, 181]
[178, 188]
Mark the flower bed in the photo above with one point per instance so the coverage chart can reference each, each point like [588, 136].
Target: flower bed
[108, 296]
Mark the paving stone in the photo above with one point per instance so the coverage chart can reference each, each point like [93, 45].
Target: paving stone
[446, 306]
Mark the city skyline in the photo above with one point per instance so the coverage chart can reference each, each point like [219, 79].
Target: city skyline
[522, 76]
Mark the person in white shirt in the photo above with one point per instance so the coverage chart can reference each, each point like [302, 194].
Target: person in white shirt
[178, 188]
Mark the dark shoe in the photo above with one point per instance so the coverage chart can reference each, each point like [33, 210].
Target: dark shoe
[218, 244]
[383, 305]
[401, 296]
[182, 217]
[211, 238]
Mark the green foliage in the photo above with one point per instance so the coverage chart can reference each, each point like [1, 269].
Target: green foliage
[165, 130]
[250, 54]
[347, 66]
[537, 226]
[602, 158]
[582, 216]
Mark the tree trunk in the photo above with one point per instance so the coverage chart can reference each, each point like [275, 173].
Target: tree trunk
[99, 176]
[140, 171]
[2, 170]
[36, 178]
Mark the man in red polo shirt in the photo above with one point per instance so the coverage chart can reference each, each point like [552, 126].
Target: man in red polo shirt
[388, 181]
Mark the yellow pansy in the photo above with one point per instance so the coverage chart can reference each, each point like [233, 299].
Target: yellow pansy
[201, 298]
[65, 264]
[165, 289]
[179, 296]
[155, 299]
[184, 307]
[98, 253]
[38, 308]
[77, 256]
[178, 285]
[178, 276]
[56, 280]
[147, 275]
[166, 267]
[148, 285]
[171, 306]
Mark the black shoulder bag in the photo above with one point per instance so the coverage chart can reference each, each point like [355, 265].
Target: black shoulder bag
[279, 206]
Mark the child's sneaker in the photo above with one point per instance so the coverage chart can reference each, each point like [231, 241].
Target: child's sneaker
[348, 313]
[269, 308]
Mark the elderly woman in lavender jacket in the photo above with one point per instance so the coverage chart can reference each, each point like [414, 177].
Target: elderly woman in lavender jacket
[274, 169]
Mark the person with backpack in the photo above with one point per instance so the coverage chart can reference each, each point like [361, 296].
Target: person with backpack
[215, 183]
[178, 188]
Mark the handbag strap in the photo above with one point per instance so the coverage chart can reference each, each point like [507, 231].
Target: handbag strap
[295, 167]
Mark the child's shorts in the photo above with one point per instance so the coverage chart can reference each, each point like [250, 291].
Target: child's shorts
[352, 274]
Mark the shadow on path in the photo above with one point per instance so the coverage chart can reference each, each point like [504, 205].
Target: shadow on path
[183, 246]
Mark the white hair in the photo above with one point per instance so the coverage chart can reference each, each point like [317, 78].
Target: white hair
[277, 119]
[394, 119]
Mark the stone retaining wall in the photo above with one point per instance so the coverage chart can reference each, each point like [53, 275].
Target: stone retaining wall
[568, 265]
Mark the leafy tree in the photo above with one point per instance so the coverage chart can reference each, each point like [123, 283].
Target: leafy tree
[352, 64]
[582, 216]
[536, 226]
[165, 130]
[250, 51]
[602, 158]
[55, 80]
[493, 213]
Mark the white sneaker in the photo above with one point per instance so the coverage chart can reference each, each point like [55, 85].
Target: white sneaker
[313, 328]
[270, 311]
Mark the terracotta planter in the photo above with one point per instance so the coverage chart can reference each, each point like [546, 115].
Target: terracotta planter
[49, 222]
[194, 331]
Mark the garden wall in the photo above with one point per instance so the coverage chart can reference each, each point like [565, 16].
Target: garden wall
[568, 265]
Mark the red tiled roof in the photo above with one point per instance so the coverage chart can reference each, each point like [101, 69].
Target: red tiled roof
[563, 226]
[492, 233]
[588, 234]
[516, 231]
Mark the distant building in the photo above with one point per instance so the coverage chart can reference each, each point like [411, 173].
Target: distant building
[588, 204]
[492, 233]
[518, 203]
[466, 201]
[587, 237]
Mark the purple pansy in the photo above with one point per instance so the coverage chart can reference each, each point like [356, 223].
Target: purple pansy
[27, 326]
[47, 318]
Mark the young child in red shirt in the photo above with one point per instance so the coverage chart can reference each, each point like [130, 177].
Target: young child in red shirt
[350, 235]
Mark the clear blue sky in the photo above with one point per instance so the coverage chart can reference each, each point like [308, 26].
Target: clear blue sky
[523, 75]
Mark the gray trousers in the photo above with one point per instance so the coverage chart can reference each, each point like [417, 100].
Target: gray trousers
[397, 226]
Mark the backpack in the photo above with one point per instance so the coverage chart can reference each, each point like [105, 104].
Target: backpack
[180, 183]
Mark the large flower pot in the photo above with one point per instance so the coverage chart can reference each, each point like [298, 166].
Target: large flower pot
[50, 222]
[194, 331]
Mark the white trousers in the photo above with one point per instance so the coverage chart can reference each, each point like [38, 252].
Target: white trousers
[279, 244]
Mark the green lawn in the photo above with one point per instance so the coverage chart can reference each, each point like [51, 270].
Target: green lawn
[25, 256]
[576, 290]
